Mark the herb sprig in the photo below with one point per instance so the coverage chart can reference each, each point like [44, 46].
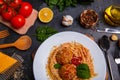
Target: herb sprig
[43, 32]
[62, 4]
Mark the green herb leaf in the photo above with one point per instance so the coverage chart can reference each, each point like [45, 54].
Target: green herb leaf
[61, 4]
[83, 74]
[57, 66]
[82, 67]
[85, 2]
[43, 32]
[83, 71]
[54, 2]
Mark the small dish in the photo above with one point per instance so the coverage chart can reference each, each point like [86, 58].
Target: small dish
[88, 18]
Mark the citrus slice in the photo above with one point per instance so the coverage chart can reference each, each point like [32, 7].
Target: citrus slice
[45, 15]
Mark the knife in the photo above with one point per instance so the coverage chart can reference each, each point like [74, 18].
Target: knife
[117, 56]
[108, 30]
[117, 60]
[114, 68]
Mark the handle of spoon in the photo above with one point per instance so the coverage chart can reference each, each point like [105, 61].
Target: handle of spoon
[6, 45]
[109, 65]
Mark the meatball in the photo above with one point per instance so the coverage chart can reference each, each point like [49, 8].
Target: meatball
[67, 72]
[64, 56]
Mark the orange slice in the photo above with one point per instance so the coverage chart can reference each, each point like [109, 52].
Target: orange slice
[45, 15]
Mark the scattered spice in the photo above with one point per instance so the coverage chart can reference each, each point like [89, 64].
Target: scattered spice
[88, 18]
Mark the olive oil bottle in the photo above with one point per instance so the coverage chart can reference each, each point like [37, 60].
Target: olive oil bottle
[112, 15]
[115, 11]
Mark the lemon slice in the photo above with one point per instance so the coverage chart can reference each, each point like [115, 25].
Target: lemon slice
[45, 15]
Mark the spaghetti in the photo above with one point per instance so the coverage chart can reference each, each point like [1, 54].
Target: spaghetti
[72, 54]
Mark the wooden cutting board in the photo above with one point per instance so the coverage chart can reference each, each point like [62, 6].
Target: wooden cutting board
[29, 23]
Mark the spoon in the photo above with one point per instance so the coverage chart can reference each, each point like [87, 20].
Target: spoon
[23, 43]
[105, 45]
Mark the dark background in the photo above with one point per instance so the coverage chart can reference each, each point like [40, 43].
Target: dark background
[98, 5]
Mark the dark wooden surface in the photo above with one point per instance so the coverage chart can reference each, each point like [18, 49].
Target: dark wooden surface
[98, 5]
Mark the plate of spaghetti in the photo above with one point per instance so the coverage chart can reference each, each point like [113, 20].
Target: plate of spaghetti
[69, 55]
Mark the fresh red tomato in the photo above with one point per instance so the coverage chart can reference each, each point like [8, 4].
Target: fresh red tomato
[8, 13]
[1, 2]
[15, 3]
[7, 1]
[76, 60]
[26, 9]
[2, 6]
[18, 21]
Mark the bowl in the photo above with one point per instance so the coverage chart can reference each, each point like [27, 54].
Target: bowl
[88, 18]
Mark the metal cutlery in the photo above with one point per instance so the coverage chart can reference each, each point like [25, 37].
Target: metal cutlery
[108, 30]
[114, 68]
[105, 45]
[117, 57]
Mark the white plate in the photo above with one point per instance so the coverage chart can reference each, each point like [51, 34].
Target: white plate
[41, 57]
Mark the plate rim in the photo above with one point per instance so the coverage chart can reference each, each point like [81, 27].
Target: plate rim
[60, 33]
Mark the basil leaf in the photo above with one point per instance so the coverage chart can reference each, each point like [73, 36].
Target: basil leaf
[83, 74]
[83, 67]
[57, 66]
[83, 71]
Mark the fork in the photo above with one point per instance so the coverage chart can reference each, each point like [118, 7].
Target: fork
[4, 33]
